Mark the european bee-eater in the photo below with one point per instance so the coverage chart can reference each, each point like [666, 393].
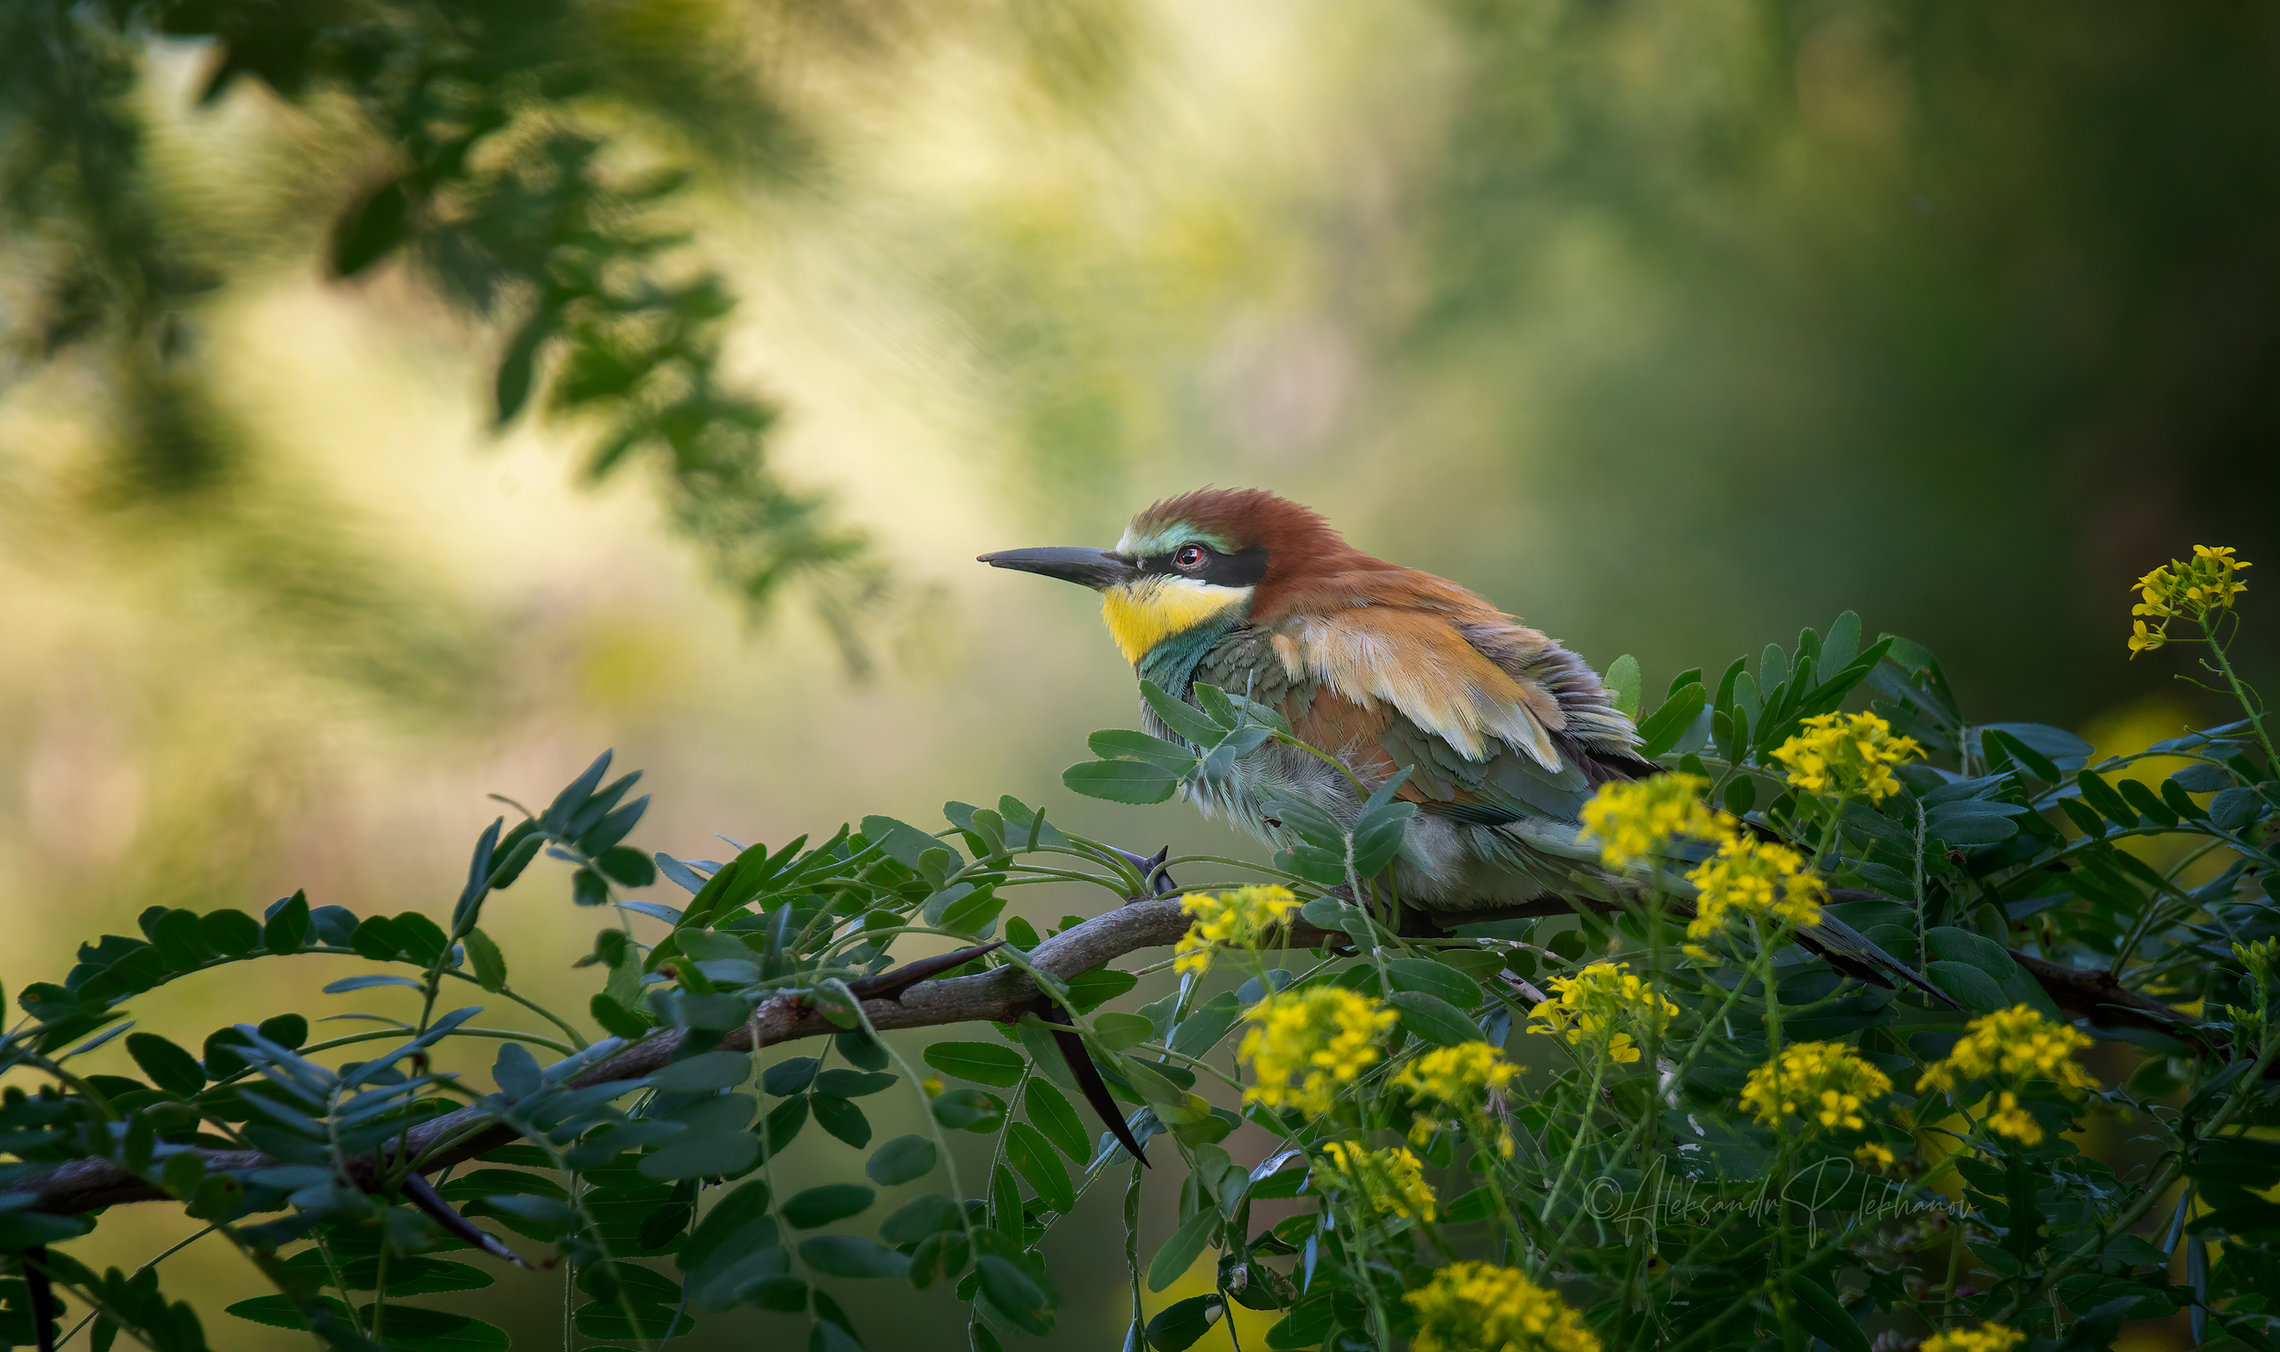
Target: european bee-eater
[1505, 733]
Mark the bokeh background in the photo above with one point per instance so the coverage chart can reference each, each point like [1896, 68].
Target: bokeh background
[1669, 326]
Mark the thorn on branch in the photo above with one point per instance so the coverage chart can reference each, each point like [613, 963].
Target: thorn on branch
[422, 1194]
[41, 1290]
[890, 985]
[1074, 1051]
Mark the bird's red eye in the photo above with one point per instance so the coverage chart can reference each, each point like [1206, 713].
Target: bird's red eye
[1189, 556]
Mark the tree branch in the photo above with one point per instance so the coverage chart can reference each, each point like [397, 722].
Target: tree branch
[1002, 995]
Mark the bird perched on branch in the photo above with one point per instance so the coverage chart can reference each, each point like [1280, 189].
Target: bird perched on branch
[1504, 733]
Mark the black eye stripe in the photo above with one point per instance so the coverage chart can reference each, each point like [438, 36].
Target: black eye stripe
[1243, 568]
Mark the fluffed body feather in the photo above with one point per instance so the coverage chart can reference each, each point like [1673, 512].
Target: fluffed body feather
[1504, 732]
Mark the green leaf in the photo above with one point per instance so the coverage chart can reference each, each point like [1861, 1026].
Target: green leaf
[1090, 990]
[370, 981]
[412, 1329]
[852, 1256]
[232, 932]
[286, 1030]
[1662, 731]
[1949, 943]
[969, 1110]
[861, 1050]
[489, 964]
[849, 1084]
[1206, 1024]
[616, 1019]
[1477, 1205]
[278, 1312]
[1623, 682]
[1054, 1116]
[1433, 1018]
[1152, 1082]
[901, 1160]
[821, 1205]
[1118, 1031]
[717, 1153]
[2101, 796]
[1117, 744]
[702, 1073]
[1016, 1295]
[842, 1119]
[371, 229]
[627, 866]
[981, 1062]
[1031, 1156]
[1121, 781]
[1435, 978]
[1184, 719]
[733, 1227]
[287, 928]
[1182, 1249]
[168, 1066]
[789, 1076]
[1838, 648]
[920, 1217]
[903, 843]
[1967, 985]
[518, 365]
[1177, 1326]
[971, 912]
[1818, 1310]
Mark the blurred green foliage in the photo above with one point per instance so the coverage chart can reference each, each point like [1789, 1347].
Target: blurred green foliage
[1969, 307]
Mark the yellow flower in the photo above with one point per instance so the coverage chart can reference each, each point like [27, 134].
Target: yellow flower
[1603, 1006]
[1985, 1338]
[1632, 819]
[2013, 1047]
[1750, 877]
[1459, 1080]
[1306, 1045]
[1847, 756]
[1873, 1155]
[2196, 589]
[1822, 1085]
[1478, 1307]
[1238, 918]
[932, 1084]
[1390, 1181]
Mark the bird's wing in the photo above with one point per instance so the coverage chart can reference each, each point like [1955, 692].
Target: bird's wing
[1490, 741]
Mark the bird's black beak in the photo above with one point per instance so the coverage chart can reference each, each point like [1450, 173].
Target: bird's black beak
[1098, 569]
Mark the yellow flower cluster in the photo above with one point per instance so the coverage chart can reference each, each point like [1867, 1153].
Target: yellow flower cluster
[1985, 1338]
[1458, 1080]
[1239, 918]
[1752, 877]
[1874, 1156]
[2012, 1047]
[2195, 588]
[1847, 756]
[1478, 1307]
[1389, 1181]
[1605, 1007]
[1631, 819]
[1305, 1045]
[1822, 1084]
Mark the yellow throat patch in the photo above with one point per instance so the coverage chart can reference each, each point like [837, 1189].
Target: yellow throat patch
[1143, 614]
